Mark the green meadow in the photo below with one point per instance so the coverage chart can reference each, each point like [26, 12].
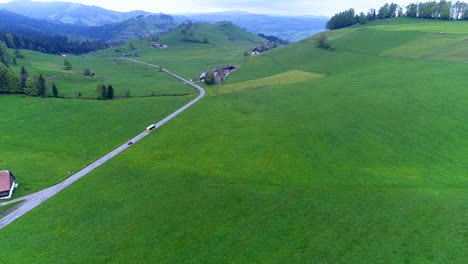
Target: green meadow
[281, 79]
[125, 77]
[45, 140]
[356, 155]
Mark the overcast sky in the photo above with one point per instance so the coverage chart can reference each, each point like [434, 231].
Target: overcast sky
[285, 7]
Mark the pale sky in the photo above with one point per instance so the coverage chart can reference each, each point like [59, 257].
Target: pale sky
[285, 7]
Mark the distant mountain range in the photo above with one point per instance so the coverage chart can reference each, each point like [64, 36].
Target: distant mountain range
[131, 28]
[70, 13]
[15, 23]
[99, 23]
[140, 26]
[285, 27]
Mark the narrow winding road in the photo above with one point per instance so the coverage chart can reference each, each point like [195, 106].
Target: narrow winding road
[34, 200]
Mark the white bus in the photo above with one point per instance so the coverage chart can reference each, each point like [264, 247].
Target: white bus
[151, 127]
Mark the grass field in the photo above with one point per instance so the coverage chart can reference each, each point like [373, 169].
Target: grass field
[124, 76]
[83, 130]
[367, 165]
[282, 79]
[407, 38]
[44, 139]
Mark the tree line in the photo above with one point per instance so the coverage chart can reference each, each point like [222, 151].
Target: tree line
[444, 10]
[24, 83]
[438, 10]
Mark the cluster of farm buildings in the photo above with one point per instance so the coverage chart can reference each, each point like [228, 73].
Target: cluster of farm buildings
[219, 73]
[264, 47]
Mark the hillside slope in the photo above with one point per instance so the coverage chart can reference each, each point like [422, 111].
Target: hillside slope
[220, 33]
[409, 38]
[347, 156]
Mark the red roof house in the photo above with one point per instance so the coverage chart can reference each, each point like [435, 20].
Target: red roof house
[7, 184]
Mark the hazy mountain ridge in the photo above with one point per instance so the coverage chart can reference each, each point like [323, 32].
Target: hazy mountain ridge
[70, 13]
[285, 27]
[130, 28]
[141, 26]
[15, 23]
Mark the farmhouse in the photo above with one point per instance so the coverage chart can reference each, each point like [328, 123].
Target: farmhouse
[256, 51]
[158, 45]
[228, 69]
[202, 76]
[265, 47]
[218, 76]
[7, 184]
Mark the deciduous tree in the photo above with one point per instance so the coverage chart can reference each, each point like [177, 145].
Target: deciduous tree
[87, 72]
[101, 91]
[322, 41]
[67, 65]
[209, 78]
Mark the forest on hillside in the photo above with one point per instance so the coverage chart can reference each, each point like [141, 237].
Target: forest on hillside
[50, 44]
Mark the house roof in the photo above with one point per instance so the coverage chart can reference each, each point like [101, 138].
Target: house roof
[5, 181]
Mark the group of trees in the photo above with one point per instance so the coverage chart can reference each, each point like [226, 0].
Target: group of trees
[445, 10]
[342, 20]
[105, 93]
[7, 56]
[273, 39]
[349, 17]
[34, 85]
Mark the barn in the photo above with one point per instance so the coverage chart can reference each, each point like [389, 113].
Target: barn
[7, 184]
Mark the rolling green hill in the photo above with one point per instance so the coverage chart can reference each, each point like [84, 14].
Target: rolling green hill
[410, 38]
[219, 34]
[188, 54]
[291, 28]
[362, 159]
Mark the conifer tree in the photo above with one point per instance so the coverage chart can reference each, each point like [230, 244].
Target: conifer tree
[54, 90]
[41, 86]
[110, 92]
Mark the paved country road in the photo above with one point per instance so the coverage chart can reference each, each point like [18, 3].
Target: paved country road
[34, 200]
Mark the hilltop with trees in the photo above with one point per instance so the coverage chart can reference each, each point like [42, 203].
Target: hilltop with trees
[443, 10]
